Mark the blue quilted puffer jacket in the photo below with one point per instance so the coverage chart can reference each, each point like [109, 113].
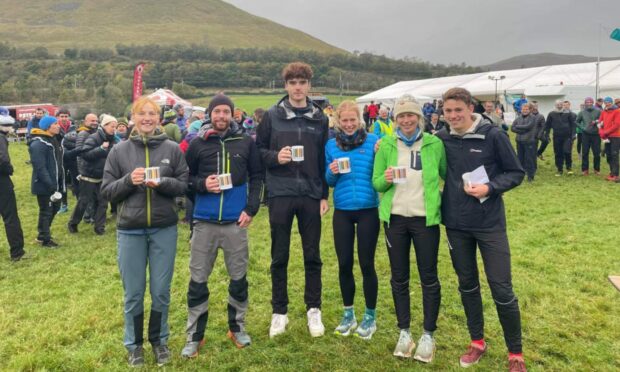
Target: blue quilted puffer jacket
[353, 191]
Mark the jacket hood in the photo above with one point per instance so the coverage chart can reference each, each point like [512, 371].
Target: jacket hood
[207, 130]
[40, 132]
[481, 126]
[153, 140]
[286, 111]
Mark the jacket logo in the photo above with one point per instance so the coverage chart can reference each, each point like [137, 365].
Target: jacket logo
[475, 150]
[237, 156]
[165, 161]
[310, 128]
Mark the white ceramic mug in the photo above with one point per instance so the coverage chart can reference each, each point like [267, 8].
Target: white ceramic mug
[399, 174]
[152, 174]
[344, 165]
[225, 181]
[297, 153]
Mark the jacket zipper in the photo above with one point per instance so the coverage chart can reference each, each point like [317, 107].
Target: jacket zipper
[226, 169]
[148, 189]
[219, 218]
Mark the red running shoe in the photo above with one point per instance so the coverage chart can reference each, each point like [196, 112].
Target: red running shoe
[516, 364]
[473, 355]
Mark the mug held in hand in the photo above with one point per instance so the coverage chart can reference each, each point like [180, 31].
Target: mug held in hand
[225, 181]
[297, 153]
[399, 174]
[152, 174]
[344, 165]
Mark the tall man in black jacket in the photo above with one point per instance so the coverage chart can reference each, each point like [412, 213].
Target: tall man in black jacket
[8, 203]
[474, 215]
[295, 188]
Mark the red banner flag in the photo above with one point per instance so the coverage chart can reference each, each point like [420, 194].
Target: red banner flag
[137, 81]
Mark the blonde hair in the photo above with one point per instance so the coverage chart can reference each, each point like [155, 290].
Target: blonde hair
[348, 106]
[139, 104]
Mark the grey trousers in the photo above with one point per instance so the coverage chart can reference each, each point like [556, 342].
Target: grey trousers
[206, 239]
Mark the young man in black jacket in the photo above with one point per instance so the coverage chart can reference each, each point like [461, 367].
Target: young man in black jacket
[8, 203]
[474, 216]
[295, 188]
[221, 215]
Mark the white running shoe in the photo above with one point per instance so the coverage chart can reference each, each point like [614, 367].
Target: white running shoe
[315, 325]
[278, 324]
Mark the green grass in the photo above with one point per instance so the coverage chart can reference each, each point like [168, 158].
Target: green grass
[249, 103]
[62, 309]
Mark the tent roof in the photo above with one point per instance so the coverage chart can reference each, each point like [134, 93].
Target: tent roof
[515, 81]
[168, 97]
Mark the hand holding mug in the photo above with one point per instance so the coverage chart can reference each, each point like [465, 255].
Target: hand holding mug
[212, 184]
[137, 176]
[334, 167]
[285, 155]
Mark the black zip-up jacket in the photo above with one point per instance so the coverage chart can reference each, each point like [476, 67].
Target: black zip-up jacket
[234, 153]
[488, 146]
[82, 135]
[93, 155]
[525, 128]
[563, 124]
[6, 168]
[281, 126]
[140, 206]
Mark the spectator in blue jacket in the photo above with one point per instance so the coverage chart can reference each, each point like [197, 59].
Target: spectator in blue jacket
[355, 203]
[47, 175]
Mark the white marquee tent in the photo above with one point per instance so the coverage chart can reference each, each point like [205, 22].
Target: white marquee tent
[543, 84]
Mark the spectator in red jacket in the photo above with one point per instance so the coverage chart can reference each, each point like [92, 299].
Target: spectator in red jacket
[373, 111]
[609, 129]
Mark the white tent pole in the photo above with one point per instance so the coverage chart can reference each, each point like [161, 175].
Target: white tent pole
[598, 63]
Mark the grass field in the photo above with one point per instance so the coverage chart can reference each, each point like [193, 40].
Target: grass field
[249, 103]
[62, 309]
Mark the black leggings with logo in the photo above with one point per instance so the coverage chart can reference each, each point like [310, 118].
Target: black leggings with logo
[399, 234]
[344, 224]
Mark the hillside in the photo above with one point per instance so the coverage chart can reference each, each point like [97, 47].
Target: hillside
[540, 59]
[104, 23]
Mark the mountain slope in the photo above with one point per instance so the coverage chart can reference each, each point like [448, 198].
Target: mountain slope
[541, 59]
[104, 23]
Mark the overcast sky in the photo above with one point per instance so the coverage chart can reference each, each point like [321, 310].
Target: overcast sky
[476, 32]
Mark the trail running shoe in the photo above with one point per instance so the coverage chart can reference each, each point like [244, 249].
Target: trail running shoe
[516, 364]
[135, 358]
[426, 349]
[241, 338]
[405, 344]
[473, 355]
[191, 349]
[162, 354]
[367, 327]
[347, 324]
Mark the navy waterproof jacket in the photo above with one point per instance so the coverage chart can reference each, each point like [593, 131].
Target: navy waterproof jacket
[490, 147]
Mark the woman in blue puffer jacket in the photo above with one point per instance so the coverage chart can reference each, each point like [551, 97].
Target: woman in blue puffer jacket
[356, 203]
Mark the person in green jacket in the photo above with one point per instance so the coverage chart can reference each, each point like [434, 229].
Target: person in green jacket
[170, 126]
[410, 211]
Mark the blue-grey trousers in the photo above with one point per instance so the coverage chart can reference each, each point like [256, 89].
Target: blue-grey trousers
[137, 249]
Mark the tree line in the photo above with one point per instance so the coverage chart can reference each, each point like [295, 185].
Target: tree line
[103, 76]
